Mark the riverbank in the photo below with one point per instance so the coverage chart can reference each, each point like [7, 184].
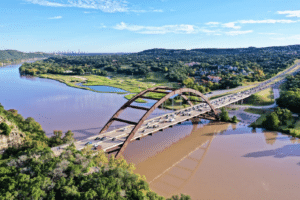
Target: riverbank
[2, 64]
[129, 84]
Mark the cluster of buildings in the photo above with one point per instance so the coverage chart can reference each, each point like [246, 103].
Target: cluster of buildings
[211, 72]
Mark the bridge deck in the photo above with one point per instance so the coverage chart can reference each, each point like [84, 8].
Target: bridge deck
[162, 122]
[120, 134]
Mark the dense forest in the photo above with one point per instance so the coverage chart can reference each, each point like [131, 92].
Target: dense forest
[232, 66]
[11, 56]
[32, 171]
[290, 95]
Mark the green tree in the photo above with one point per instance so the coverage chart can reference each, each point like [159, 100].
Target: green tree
[271, 122]
[5, 129]
[234, 119]
[189, 82]
[68, 137]
[224, 116]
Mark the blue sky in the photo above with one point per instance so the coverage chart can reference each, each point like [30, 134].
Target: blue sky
[136, 25]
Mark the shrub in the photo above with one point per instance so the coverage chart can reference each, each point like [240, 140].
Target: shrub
[234, 119]
[224, 116]
[5, 129]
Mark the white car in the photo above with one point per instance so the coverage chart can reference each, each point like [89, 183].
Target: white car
[171, 120]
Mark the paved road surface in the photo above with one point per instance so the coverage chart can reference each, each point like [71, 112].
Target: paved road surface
[118, 136]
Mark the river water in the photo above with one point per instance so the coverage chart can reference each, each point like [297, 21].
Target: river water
[203, 159]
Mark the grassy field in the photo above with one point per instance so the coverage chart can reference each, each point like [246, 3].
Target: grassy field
[129, 96]
[258, 111]
[132, 85]
[127, 83]
[262, 98]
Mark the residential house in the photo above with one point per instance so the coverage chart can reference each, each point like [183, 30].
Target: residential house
[214, 79]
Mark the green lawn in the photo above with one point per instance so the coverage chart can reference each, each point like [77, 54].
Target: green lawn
[262, 98]
[131, 84]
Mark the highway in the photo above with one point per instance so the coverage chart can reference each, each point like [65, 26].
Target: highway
[110, 140]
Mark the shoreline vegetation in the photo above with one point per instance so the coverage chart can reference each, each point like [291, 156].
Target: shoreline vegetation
[11, 57]
[277, 119]
[4, 64]
[30, 169]
[284, 118]
[166, 67]
[135, 85]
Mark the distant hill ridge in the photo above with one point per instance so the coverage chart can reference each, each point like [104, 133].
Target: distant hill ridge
[18, 55]
[290, 48]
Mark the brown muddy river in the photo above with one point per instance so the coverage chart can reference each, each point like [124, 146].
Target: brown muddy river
[219, 161]
[205, 160]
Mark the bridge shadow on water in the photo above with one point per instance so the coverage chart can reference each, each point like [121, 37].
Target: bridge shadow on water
[291, 150]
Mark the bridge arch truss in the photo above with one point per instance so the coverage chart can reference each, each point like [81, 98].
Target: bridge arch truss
[170, 92]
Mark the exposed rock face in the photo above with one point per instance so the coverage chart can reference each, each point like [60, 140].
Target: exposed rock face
[14, 139]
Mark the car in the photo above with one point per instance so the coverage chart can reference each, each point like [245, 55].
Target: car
[124, 129]
[143, 131]
[103, 138]
[96, 145]
[114, 139]
[97, 138]
[88, 143]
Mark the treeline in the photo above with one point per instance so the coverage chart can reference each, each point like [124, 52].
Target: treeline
[173, 65]
[290, 94]
[78, 175]
[32, 171]
[279, 120]
[11, 56]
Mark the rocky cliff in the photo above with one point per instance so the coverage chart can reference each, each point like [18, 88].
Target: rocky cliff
[14, 139]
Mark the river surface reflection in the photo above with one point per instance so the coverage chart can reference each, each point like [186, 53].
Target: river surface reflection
[57, 106]
[205, 160]
[219, 161]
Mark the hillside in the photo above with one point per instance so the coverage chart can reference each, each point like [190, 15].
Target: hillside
[281, 49]
[14, 55]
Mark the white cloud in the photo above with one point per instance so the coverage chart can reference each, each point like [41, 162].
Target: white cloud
[266, 21]
[110, 6]
[231, 25]
[210, 32]
[290, 13]
[86, 12]
[158, 10]
[212, 24]
[179, 29]
[146, 11]
[57, 17]
[233, 33]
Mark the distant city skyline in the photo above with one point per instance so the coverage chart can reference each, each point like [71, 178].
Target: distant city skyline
[115, 26]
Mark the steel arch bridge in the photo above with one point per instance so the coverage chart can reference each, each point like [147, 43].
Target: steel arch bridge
[169, 92]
